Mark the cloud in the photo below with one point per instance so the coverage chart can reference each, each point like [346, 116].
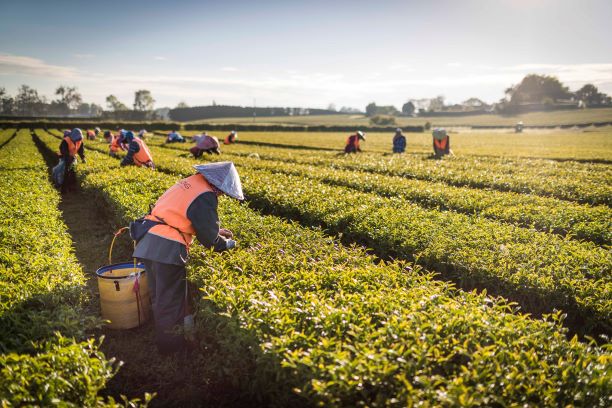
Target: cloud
[229, 69]
[400, 67]
[83, 56]
[20, 65]
[160, 58]
[320, 86]
[454, 65]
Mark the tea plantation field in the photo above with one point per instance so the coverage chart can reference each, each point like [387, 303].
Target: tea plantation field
[371, 280]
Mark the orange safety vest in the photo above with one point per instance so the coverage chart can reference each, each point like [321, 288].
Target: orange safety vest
[114, 144]
[143, 155]
[171, 209]
[73, 147]
[353, 140]
[441, 144]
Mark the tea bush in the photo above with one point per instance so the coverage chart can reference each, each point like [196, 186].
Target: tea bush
[299, 319]
[42, 294]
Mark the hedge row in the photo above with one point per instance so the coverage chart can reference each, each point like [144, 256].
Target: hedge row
[540, 270]
[543, 213]
[586, 183]
[568, 126]
[87, 124]
[283, 128]
[43, 312]
[301, 320]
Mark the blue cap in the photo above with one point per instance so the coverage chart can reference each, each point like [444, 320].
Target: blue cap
[76, 135]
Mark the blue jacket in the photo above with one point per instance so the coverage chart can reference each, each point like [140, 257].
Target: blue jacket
[399, 143]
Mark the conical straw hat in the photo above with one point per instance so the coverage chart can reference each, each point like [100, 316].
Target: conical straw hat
[224, 176]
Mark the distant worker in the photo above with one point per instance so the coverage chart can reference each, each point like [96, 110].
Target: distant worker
[114, 145]
[175, 137]
[138, 153]
[519, 127]
[231, 138]
[142, 134]
[97, 131]
[186, 209]
[205, 144]
[123, 144]
[441, 143]
[91, 135]
[352, 143]
[399, 141]
[69, 148]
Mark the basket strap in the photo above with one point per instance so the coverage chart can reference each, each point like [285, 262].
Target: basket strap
[110, 250]
[136, 290]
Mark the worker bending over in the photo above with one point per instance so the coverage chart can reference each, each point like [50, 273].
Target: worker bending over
[186, 209]
[399, 141]
[518, 128]
[352, 143]
[441, 143]
[175, 137]
[91, 135]
[114, 146]
[68, 149]
[205, 144]
[137, 152]
[231, 138]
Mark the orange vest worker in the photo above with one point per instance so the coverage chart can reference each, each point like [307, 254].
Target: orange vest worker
[73, 147]
[172, 206]
[441, 144]
[143, 155]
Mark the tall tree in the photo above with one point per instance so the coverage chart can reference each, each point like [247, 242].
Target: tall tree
[143, 101]
[114, 104]
[436, 104]
[27, 101]
[6, 102]
[408, 108]
[371, 109]
[182, 104]
[590, 95]
[69, 96]
[536, 88]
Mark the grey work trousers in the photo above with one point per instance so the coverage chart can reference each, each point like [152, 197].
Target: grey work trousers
[167, 286]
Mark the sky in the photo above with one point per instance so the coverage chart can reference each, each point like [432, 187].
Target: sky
[301, 53]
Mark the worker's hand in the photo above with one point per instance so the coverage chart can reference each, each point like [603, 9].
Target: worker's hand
[226, 233]
[231, 244]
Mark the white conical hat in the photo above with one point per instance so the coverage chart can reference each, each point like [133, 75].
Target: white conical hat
[439, 133]
[224, 176]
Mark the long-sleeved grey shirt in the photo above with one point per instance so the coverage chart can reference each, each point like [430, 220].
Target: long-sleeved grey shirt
[203, 216]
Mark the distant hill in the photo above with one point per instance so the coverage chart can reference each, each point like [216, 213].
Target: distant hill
[227, 111]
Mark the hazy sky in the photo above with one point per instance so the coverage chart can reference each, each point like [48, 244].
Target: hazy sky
[302, 53]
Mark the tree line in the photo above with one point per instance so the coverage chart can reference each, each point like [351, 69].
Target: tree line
[537, 92]
[532, 92]
[68, 102]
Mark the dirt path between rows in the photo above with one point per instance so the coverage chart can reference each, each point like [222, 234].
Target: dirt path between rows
[178, 381]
